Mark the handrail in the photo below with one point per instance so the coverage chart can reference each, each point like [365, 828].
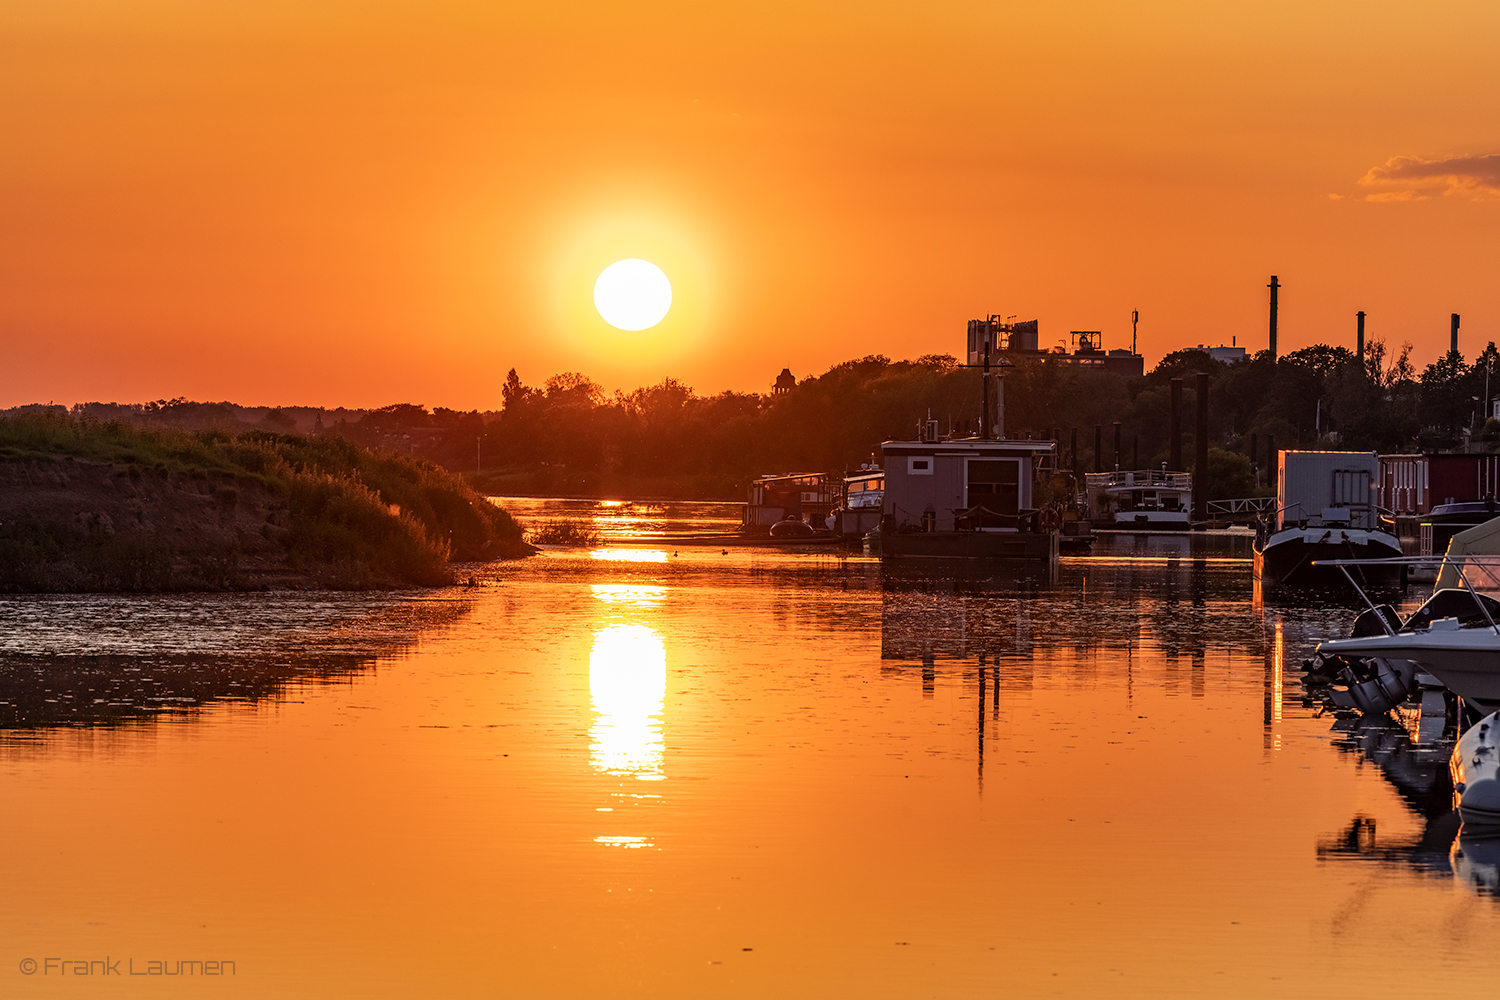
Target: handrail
[1361, 591]
[1239, 505]
[1474, 594]
[1458, 567]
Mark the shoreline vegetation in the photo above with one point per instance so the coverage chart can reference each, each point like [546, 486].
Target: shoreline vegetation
[570, 437]
[89, 506]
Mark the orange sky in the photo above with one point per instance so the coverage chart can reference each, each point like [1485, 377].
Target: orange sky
[346, 203]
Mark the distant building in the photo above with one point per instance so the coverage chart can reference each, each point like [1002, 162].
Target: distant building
[1228, 355]
[785, 382]
[1021, 340]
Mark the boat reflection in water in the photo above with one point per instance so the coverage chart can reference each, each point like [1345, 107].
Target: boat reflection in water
[1419, 775]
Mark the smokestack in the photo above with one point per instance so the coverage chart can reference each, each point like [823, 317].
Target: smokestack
[1098, 447]
[1174, 461]
[1117, 444]
[1273, 286]
[1453, 333]
[1200, 448]
[1359, 335]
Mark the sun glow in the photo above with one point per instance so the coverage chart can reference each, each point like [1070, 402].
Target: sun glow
[633, 294]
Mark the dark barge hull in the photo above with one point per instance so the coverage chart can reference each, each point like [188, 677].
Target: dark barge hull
[1289, 565]
[968, 545]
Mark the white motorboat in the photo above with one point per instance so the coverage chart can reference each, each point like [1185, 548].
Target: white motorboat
[1464, 657]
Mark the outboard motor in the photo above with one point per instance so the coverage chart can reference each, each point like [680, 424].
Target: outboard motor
[1373, 686]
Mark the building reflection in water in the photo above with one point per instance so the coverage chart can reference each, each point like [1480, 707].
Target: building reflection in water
[628, 685]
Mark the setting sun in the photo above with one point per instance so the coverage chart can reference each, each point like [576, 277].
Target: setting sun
[633, 294]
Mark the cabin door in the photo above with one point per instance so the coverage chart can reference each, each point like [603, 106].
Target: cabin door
[995, 485]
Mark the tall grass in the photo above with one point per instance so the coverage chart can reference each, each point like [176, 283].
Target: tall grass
[576, 532]
[357, 518]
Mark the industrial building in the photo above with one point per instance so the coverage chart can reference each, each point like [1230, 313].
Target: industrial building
[1015, 341]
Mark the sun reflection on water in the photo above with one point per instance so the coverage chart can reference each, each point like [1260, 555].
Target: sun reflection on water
[629, 555]
[628, 686]
[641, 596]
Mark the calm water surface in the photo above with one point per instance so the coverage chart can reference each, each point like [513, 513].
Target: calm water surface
[659, 772]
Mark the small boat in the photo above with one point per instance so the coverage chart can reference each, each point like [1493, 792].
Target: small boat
[1376, 682]
[792, 528]
[1144, 500]
[1446, 520]
[1475, 766]
[1465, 656]
[1324, 514]
[1454, 636]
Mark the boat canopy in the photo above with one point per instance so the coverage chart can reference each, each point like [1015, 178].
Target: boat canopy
[1480, 540]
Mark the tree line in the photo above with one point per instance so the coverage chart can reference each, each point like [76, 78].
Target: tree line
[570, 433]
[569, 436]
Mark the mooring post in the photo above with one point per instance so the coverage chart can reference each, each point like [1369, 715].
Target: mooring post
[1200, 449]
[1271, 470]
[1174, 460]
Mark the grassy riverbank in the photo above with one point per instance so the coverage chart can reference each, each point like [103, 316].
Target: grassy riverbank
[87, 506]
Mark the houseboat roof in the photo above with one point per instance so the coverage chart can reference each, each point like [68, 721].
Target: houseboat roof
[961, 445]
[800, 477]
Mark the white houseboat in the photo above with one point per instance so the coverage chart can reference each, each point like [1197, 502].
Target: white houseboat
[1144, 500]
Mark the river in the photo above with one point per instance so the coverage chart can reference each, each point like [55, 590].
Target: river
[639, 771]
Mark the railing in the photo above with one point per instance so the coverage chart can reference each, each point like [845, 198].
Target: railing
[1136, 479]
[1243, 505]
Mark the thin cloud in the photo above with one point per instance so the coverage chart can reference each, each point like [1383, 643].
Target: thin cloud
[1413, 178]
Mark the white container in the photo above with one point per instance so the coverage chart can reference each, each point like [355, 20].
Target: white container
[1309, 482]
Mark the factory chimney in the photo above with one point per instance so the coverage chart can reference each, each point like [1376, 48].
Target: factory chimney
[1274, 286]
[1359, 336]
[1453, 333]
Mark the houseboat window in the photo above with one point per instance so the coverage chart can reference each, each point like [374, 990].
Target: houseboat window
[1351, 487]
[995, 485]
[919, 466]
